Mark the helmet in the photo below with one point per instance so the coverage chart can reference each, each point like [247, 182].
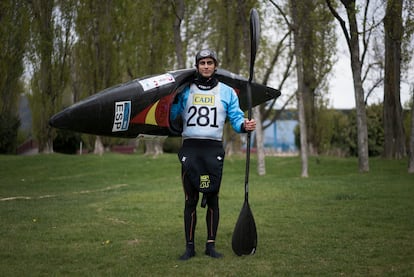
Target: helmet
[206, 53]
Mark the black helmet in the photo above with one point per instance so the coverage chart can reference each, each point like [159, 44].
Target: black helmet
[206, 53]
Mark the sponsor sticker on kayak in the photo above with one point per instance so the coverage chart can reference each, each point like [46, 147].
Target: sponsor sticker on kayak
[157, 81]
[122, 115]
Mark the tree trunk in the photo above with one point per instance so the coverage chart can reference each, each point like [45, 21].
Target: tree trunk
[179, 8]
[353, 46]
[298, 40]
[43, 18]
[308, 67]
[363, 159]
[411, 158]
[394, 134]
[230, 140]
[98, 148]
[261, 164]
[154, 146]
[303, 134]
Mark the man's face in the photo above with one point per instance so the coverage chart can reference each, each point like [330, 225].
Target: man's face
[206, 67]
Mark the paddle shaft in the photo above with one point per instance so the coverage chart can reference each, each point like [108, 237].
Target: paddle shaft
[254, 42]
[248, 141]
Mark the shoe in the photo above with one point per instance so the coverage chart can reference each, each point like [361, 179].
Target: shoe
[211, 251]
[189, 253]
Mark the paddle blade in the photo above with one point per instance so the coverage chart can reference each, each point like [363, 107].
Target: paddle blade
[254, 39]
[244, 241]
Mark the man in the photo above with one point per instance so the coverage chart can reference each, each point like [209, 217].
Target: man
[204, 106]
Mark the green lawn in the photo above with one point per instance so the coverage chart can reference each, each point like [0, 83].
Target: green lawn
[121, 215]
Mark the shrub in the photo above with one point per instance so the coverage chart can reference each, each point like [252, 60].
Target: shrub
[9, 125]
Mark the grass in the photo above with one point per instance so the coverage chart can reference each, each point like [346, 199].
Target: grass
[121, 215]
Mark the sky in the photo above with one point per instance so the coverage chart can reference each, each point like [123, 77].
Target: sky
[341, 86]
[341, 90]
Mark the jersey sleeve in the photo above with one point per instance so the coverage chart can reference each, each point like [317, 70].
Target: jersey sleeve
[234, 113]
[179, 103]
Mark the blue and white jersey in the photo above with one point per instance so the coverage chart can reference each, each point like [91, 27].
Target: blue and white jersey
[204, 111]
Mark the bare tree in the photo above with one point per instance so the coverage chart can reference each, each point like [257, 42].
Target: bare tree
[283, 50]
[299, 46]
[318, 34]
[352, 39]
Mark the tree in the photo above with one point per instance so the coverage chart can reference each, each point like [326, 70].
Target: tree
[14, 34]
[320, 39]
[281, 64]
[394, 134]
[160, 46]
[14, 31]
[352, 39]
[298, 34]
[42, 79]
[51, 40]
[179, 11]
[96, 49]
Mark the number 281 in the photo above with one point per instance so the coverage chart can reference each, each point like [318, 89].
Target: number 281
[203, 116]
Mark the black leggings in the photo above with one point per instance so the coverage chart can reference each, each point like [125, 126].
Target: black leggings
[190, 212]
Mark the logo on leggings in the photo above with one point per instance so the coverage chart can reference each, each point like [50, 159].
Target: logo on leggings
[204, 181]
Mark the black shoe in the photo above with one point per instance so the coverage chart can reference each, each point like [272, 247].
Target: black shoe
[189, 253]
[211, 251]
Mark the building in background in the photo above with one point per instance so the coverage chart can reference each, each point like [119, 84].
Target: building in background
[279, 137]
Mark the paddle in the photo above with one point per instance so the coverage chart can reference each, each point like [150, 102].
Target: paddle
[244, 240]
